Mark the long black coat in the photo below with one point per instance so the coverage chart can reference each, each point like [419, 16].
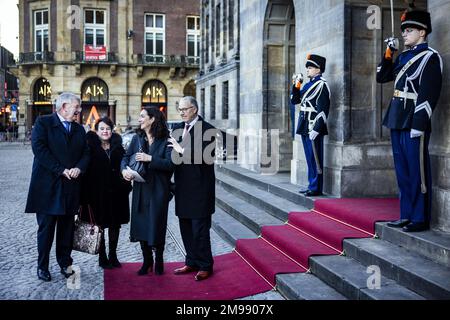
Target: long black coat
[54, 151]
[103, 188]
[195, 192]
[150, 202]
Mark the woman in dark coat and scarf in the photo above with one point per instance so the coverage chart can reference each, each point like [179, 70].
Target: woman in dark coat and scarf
[105, 192]
[150, 202]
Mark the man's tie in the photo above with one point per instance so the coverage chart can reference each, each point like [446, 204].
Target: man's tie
[67, 126]
[186, 130]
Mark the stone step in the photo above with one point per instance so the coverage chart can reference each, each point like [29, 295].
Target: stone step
[409, 269]
[351, 279]
[249, 215]
[305, 286]
[229, 228]
[431, 244]
[268, 202]
[296, 286]
[279, 184]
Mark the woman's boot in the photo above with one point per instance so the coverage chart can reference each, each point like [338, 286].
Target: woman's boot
[102, 258]
[113, 241]
[159, 261]
[148, 259]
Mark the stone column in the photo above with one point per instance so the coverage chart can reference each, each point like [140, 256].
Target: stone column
[440, 142]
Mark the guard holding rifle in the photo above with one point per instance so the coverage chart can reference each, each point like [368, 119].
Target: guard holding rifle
[417, 73]
[314, 99]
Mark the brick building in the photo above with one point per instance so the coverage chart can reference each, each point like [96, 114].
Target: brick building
[118, 55]
[9, 89]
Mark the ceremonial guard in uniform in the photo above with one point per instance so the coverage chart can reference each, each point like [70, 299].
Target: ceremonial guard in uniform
[417, 73]
[314, 99]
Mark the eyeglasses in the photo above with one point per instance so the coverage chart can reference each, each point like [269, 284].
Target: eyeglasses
[183, 110]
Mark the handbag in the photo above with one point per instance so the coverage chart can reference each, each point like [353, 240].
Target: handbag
[86, 235]
[138, 166]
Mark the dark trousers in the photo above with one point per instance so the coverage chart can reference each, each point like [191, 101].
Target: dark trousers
[315, 180]
[414, 205]
[46, 232]
[196, 240]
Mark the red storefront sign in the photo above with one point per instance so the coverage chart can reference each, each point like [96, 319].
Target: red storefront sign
[95, 53]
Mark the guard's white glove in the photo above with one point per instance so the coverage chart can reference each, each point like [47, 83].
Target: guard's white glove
[415, 133]
[392, 43]
[313, 134]
[297, 80]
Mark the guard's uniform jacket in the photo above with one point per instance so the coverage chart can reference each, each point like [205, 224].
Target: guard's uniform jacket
[314, 99]
[418, 79]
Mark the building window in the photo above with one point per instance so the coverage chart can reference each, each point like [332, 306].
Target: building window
[225, 101]
[231, 24]
[212, 33]
[217, 22]
[193, 37]
[94, 28]
[225, 25]
[41, 31]
[202, 102]
[207, 39]
[213, 103]
[155, 35]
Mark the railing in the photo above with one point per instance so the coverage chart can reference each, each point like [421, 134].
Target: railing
[80, 56]
[168, 60]
[36, 57]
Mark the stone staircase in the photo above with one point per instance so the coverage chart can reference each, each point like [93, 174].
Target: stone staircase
[413, 266]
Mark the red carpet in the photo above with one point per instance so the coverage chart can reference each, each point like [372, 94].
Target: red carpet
[280, 249]
[361, 213]
[287, 248]
[233, 278]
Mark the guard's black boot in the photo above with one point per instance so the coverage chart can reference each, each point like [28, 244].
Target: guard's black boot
[113, 241]
[102, 257]
[159, 261]
[148, 259]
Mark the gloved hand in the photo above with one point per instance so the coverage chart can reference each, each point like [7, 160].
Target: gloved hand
[297, 80]
[313, 134]
[415, 133]
[392, 43]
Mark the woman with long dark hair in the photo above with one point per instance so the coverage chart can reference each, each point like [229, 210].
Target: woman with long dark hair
[105, 192]
[150, 202]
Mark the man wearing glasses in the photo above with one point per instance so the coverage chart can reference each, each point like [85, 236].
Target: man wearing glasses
[418, 78]
[193, 155]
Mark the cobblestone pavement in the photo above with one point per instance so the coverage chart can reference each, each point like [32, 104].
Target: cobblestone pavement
[18, 248]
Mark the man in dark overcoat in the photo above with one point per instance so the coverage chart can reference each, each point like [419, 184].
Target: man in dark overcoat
[60, 156]
[193, 155]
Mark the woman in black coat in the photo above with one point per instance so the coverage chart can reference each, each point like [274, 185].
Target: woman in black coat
[105, 192]
[150, 202]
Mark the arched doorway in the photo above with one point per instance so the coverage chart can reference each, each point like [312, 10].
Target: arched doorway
[154, 95]
[279, 65]
[94, 102]
[189, 89]
[42, 99]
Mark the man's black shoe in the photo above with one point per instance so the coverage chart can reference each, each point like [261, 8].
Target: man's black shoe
[399, 223]
[416, 227]
[304, 191]
[65, 272]
[44, 275]
[310, 193]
